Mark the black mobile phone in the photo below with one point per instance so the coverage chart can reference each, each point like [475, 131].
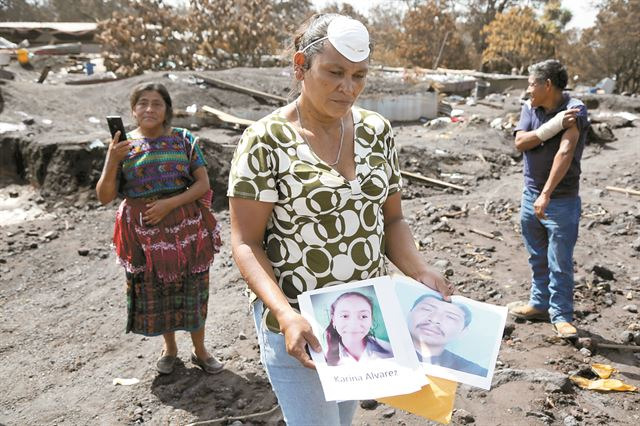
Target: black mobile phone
[115, 124]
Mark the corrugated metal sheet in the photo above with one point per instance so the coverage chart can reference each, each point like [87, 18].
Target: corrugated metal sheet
[407, 107]
[56, 26]
[48, 32]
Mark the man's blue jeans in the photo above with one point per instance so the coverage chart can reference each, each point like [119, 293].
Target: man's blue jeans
[550, 244]
[298, 388]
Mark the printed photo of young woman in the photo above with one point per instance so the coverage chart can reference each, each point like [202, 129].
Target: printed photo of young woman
[350, 335]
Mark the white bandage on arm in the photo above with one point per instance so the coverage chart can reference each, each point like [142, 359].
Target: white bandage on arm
[551, 127]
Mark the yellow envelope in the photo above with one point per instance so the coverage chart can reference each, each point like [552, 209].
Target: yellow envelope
[434, 401]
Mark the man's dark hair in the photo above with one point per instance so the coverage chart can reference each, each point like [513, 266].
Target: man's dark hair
[467, 313]
[551, 70]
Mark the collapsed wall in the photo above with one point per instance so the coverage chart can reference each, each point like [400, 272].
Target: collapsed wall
[11, 164]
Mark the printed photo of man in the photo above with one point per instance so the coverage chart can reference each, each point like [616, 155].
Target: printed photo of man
[433, 324]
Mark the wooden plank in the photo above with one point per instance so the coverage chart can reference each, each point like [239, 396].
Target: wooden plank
[623, 190]
[7, 75]
[483, 233]
[484, 75]
[44, 74]
[455, 214]
[91, 81]
[440, 70]
[490, 105]
[58, 49]
[228, 118]
[431, 180]
[618, 346]
[230, 86]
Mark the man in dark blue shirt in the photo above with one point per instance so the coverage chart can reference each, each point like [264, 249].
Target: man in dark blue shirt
[551, 134]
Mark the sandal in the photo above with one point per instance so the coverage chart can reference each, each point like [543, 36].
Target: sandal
[165, 363]
[211, 365]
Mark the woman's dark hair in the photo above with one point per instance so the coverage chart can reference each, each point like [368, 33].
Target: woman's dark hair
[137, 92]
[331, 334]
[551, 70]
[309, 31]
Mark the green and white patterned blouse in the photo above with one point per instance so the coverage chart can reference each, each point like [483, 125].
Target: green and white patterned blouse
[324, 229]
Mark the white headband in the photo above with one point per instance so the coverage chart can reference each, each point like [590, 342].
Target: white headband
[348, 36]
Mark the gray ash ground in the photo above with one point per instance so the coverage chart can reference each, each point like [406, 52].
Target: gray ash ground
[62, 320]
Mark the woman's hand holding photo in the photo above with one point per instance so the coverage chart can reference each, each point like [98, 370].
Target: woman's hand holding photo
[297, 334]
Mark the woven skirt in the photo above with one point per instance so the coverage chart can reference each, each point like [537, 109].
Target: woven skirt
[167, 266]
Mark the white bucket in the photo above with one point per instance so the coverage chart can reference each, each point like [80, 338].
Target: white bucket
[5, 58]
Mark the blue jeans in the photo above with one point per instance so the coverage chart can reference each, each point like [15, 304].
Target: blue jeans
[297, 388]
[550, 244]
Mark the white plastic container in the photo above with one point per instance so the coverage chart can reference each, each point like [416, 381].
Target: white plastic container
[5, 58]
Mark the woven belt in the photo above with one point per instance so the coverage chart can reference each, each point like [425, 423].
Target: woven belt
[155, 197]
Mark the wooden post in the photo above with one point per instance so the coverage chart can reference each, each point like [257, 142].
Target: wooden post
[230, 86]
[444, 41]
[431, 180]
[228, 118]
[623, 190]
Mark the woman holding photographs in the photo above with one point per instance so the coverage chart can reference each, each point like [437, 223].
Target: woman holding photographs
[314, 196]
[165, 234]
[349, 334]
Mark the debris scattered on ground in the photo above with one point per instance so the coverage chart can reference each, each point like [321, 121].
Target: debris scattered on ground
[603, 383]
[126, 382]
[55, 251]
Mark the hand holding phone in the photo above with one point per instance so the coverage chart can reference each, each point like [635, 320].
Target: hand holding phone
[117, 150]
[115, 124]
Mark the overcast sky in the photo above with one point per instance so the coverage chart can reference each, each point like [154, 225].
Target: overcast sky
[584, 13]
